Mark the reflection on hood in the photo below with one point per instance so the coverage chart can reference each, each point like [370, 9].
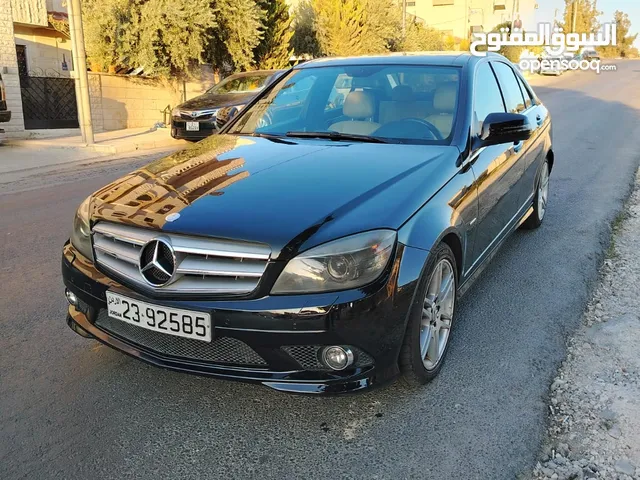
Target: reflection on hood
[148, 195]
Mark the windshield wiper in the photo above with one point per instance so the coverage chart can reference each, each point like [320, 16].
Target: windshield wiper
[336, 136]
[273, 137]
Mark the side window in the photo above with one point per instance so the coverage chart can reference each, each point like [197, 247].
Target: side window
[510, 87]
[528, 99]
[487, 97]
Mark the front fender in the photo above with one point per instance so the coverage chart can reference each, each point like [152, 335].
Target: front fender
[451, 211]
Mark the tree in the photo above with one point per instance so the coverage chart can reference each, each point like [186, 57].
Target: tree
[586, 16]
[419, 38]
[383, 22]
[304, 40]
[624, 41]
[340, 26]
[165, 37]
[238, 31]
[274, 51]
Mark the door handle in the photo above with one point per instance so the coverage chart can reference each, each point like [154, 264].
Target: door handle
[518, 146]
[539, 120]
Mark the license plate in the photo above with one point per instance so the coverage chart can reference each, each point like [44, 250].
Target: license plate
[172, 321]
[193, 126]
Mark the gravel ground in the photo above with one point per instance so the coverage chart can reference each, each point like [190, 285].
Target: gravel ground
[595, 399]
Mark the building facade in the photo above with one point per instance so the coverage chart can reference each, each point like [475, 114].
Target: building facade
[460, 18]
[34, 45]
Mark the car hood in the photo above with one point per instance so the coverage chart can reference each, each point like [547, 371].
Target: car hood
[209, 100]
[290, 195]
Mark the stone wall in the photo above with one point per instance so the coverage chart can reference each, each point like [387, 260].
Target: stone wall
[121, 101]
[9, 69]
[30, 12]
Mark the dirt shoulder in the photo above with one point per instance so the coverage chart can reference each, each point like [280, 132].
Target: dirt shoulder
[594, 405]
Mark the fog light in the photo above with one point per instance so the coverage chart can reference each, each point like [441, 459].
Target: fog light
[337, 358]
[71, 298]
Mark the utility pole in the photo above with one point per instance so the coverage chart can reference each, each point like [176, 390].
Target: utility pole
[80, 70]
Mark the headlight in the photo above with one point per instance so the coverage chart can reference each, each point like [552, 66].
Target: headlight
[81, 233]
[350, 262]
[175, 112]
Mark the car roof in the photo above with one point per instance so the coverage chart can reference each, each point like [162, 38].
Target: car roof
[253, 73]
[399, 58]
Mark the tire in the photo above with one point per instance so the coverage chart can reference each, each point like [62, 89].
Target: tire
[416, 367]
[539, 208]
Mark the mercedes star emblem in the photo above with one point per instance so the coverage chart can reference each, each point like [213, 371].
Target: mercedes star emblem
[157, 262]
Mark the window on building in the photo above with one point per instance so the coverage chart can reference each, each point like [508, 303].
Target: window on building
[411, 4]
[510, 88]
[21, 53]
[437, 3]
[487, 98]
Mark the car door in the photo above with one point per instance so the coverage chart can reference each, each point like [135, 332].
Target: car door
[497, 168]
[534, 157]
[516, 101]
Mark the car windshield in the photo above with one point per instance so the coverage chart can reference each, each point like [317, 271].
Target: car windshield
[385, 103]
[241, 84]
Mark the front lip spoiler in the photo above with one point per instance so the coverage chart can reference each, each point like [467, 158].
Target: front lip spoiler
[361, 380]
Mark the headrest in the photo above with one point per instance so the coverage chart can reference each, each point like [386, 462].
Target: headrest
[402, 93]
[445, 98]
[358, 104]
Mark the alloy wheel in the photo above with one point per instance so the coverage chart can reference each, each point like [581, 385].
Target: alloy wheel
[543, 191]
[437, 314]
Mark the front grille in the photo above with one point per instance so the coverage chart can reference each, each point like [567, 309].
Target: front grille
[223, 350]
[308, 356]
[203, 265]
[197, 116]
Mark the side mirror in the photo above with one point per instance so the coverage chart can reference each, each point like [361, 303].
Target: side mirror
[500, 128]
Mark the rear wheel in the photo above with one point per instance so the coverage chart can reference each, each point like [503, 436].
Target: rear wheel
[539, 200]
[428, 331]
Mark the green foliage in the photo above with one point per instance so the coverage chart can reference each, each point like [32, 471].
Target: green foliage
[163, 36]
[384, 26]
[239, 31]
[419, 38]
[340, 26]
[624, 42]
[274, 50]
[511, 52]
[304, 40]
[586, 16]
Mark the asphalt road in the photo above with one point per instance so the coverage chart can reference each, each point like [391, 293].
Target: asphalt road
[70, 408]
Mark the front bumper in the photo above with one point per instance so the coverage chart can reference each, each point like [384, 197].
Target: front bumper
[371, 320]
[206, 128]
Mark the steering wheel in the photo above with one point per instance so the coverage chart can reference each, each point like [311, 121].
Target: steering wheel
[416, 128]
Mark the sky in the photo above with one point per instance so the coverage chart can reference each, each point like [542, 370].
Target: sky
[546, 10]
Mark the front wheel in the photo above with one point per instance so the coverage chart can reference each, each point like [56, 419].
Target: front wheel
[432, 314]
[540, 200]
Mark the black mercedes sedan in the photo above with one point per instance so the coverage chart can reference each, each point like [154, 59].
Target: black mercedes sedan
[204, 115]
[321, 243]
